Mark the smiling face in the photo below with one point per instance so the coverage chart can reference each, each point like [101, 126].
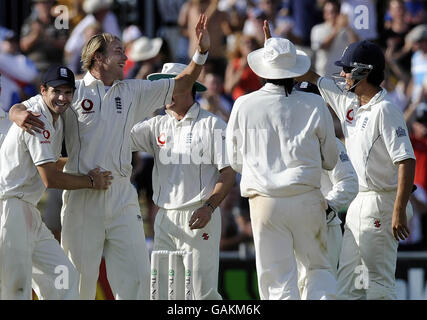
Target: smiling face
[58, 99]
[113, 61]
[348, 81]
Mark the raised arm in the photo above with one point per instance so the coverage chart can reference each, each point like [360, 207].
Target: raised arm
[185, 80]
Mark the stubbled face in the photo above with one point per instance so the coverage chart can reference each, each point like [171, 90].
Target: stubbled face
[58, 99]
[114, 60]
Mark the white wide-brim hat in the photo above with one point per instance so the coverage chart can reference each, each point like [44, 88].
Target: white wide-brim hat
[278, 60]
[145, 48]
[91, 6]
[171, 70]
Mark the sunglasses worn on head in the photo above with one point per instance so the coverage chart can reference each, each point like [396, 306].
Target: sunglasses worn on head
[347, 69]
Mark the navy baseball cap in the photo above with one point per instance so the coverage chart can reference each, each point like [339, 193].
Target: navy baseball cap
[58, 76]
[364, 52]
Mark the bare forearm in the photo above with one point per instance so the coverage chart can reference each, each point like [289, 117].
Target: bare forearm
[61, 163]
[406, 176]
[223, 186]
[185, 80]
[54, 179]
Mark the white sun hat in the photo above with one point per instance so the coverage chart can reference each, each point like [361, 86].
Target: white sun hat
[145, 48]
[278, 60]
[171, 70]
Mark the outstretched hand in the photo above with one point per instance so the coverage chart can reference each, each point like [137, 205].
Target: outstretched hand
[202, 34]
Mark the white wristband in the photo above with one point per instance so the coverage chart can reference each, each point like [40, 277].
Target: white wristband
[199, 58]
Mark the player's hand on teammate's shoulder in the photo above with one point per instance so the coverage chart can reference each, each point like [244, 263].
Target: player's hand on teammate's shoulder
[101, 179]
[26, 120]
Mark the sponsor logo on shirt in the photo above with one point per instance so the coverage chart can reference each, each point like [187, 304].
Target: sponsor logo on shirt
[400, 132]
[46, 135]
[350, 115]
[118, 104]
[205, 236]
[161, 139]
[87, 106]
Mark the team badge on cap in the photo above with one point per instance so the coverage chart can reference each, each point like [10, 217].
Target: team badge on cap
[63, 72]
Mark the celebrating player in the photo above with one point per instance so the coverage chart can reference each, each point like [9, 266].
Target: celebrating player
[380, 150]
[30, 164]
[188, 185]
[97, 131]
[271, 137]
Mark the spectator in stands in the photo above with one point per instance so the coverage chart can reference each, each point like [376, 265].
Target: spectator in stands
[397, 55]
[41, 41]
[240, 79]
[130, 35]
[169, 29]
[330, 38]
[19, 73]
[218, 27]
[265, 10]
[415, 12]
[148, 55]
[418, 38]
[97, 11]
[213, 99]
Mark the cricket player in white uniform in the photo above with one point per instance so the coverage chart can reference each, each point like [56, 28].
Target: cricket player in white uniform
[191, 176]
[29, 164]
[379, 148]
[339, 187]
[97, 133]
[279, 139]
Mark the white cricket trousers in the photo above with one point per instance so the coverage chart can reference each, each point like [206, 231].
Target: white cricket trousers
[286, 229]
[107, 222]
[171, 232]
[368, 256]
[333, 243]
[28, 251]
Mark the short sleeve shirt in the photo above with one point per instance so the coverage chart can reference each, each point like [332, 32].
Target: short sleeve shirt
[98, 123]
[21, 153]
[376, 135]
[188, 155]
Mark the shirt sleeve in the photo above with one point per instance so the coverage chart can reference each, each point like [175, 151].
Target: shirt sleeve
[344, 181]
[141, 137]
[39, 145]
[152, 95]
[326, 134]
[333, 95]
[395, 134]
[234, 140]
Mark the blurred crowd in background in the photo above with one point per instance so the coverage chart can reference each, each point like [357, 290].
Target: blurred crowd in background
[34, 34]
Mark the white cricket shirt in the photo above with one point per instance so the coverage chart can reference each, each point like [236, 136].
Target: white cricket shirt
[21, 153]
[98, 123]
[279, 144]
[376, 136]
[188, 155]
[339, 186]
